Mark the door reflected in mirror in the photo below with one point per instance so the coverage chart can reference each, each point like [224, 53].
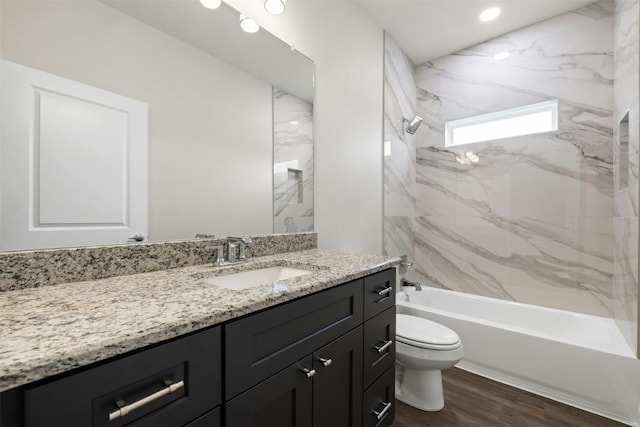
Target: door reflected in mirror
[213, 142]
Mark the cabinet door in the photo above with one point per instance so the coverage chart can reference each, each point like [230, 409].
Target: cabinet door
[282, 400]
[337, 385]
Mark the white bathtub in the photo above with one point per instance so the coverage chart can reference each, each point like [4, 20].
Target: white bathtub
[577, 359]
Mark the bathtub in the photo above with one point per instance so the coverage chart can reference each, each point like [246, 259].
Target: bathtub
[577, 359]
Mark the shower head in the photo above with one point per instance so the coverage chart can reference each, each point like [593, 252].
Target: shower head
[413, 125]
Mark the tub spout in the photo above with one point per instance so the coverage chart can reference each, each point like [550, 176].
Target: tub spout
[405, 282]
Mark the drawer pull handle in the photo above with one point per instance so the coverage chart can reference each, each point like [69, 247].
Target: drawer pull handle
[385, 291]
[124, 410]
[384, 347]
[326, 362]
[384, 411]
[309, 372]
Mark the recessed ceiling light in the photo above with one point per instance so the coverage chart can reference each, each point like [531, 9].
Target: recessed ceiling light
[248, 25]
[489, 14]
[211, 4]
[501, 55]
[275, 7]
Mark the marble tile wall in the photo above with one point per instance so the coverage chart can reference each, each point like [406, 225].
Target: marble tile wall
[31, 269]
[293, 163]
[400, 154]
[531, 221]
[625, 221]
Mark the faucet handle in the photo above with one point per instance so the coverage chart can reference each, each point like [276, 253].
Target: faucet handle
[219, 253]
[244, 239]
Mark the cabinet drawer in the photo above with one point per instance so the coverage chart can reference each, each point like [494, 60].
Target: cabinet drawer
[379, 292]
[171, 384]
[379, 345]
[264, 343]
[378, 403]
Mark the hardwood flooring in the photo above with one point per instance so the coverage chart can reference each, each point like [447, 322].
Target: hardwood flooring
[475, 401]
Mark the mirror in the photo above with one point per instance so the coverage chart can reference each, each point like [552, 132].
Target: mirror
[213, 93]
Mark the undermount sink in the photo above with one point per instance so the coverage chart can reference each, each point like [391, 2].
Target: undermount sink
[263, 276]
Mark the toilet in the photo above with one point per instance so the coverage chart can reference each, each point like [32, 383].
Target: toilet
[423, 349]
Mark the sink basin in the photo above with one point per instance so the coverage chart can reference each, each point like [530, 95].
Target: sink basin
[263, 276]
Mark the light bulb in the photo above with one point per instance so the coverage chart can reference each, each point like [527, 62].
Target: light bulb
[489, 14]
[211, 4]
[275, 7]
[248, 25]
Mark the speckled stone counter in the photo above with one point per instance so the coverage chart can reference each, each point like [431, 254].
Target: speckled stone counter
[53, 329]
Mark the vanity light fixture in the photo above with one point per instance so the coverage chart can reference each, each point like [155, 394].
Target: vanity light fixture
[275, 7]
[501, 55]
[211, 4]
[248, 25]
[489, 14]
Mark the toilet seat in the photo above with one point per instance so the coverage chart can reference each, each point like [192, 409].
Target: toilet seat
[418, 332]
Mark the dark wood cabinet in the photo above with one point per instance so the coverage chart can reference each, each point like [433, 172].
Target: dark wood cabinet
[284, 399]
[323, 389]
[378, 403]
[168, 385]
[323, 360]
[337, 384]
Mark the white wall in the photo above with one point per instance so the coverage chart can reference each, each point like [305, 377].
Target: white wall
[348, 49]
[210, 144]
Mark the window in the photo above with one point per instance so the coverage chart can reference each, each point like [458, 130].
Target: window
[525, 120]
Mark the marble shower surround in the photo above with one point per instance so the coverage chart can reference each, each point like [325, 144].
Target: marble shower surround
[400, 162]
[292, 148]
[32, 269]
[532, 220]
[625, 221]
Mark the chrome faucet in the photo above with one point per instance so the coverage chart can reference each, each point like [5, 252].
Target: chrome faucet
[219, 254]
[237, 248]
[405, 282]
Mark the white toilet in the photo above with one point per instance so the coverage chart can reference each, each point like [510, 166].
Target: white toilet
[423, 349]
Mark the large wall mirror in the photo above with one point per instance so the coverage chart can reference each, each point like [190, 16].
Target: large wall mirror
[230, 114]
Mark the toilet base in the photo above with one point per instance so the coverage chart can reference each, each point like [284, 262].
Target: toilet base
[421, 388]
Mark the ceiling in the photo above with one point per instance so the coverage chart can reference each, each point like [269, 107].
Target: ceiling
[429, 29]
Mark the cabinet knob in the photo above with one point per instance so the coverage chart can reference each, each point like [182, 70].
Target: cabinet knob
[309, 372]
[325, 362]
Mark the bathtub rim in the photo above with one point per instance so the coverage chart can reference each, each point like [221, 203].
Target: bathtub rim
[628, 351]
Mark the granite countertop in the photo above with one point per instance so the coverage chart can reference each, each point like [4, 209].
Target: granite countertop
[54, 329]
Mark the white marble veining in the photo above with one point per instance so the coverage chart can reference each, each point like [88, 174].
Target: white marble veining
[53, 329]
[531, 221]
[400, 161]
[293, 163]
[626, 86]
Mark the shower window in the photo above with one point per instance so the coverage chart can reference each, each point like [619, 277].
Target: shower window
[524, 120]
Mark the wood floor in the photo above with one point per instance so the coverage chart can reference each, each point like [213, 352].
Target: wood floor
[475, 401]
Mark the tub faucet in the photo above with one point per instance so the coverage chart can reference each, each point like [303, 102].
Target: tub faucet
[405, 282]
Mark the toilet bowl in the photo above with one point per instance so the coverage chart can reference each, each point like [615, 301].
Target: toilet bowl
[423, 349]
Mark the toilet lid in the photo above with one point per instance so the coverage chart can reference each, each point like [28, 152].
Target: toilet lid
[419, 332]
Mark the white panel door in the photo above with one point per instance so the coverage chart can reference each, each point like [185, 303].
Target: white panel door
[73, 162]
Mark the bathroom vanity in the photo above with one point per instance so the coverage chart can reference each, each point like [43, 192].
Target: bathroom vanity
[315, 350]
